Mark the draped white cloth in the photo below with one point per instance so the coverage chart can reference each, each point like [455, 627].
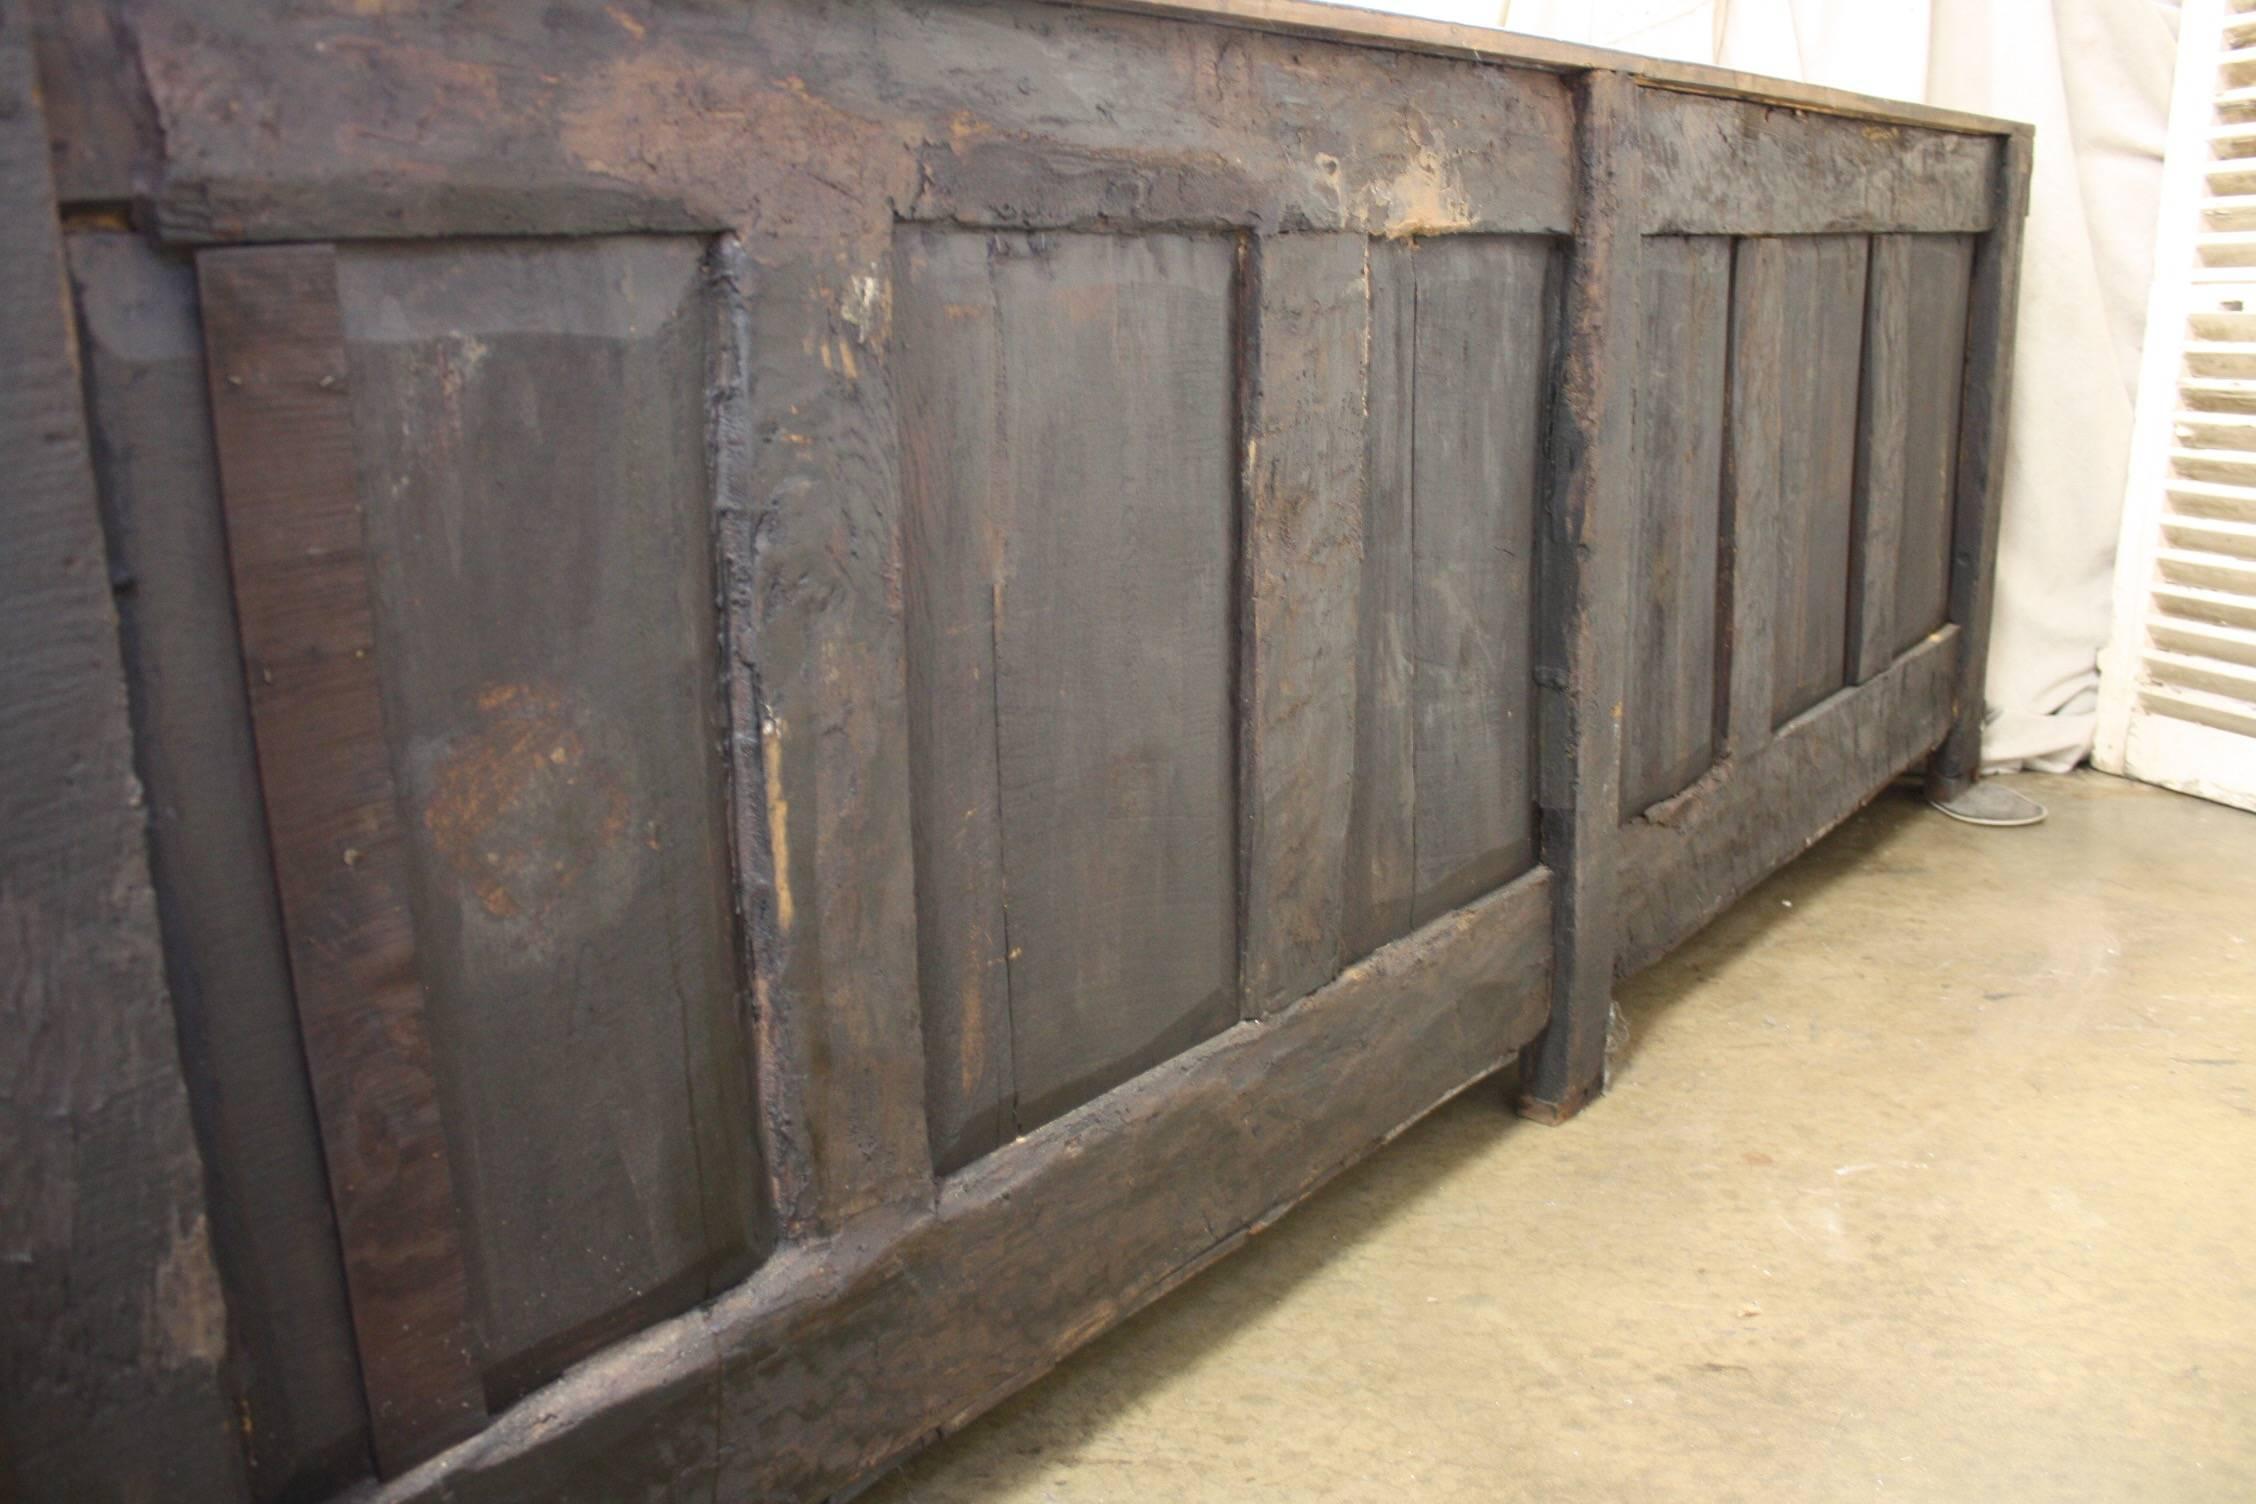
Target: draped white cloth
[2094, 77]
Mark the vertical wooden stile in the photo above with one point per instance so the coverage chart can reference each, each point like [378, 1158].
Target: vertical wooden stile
[1583, 566]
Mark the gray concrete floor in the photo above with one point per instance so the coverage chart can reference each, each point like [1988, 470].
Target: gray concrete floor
[1926, 1174]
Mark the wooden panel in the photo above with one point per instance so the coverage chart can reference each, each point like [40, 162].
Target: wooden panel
[1735, 167]
[272, 1226]
[531, 426]
[1752, 501]
[1820, 301]
[1693, 857]
[1382, 804]
[1938, 276]
[113, 1327]
[1032, 1251]
[1978, 481]
[1094, 478]
[275, 348]
[1303, 408]
[1669, 712]
[1585, 584]
[1481, 374]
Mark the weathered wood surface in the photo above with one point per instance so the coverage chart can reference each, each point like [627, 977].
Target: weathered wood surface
[1584, 600]
[1690, 858]
[113, 1328]
[800, 1381]
[1733, 167]
[1939, 274]
[1669, 710]
[275, 347]
[1303, 412]
[1478, 401]
[300, 1393]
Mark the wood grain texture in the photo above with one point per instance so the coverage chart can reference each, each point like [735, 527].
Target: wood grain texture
[278, 374]
[1737, 167]
[1691, 858]
[530, 423]
[1669, 714]
[1303, 414]
[1584, 598]
[113, 1326]
[1883, 416]
[1821, 308]
[1978, 488]
[1029, 1253]
[1754, 503]
[1382, 804]
[272, 1227]
[1481, 354]
[1938, 274]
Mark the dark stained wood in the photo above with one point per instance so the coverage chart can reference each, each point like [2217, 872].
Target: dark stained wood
[1113, 654]
[1669, 713]
[810, 498]
[948, 342]
[1691, 858]
[1584, 598]
[113, 1325]
[1736, 167]
[1031, 1251]
[1977, 494]
[1481, 356]
[1821, 282]
[280, 412]
[306, 1419]
[1382, 806]
[1753, 501]
[527, 414]
[1303, 413]
[1939, 271]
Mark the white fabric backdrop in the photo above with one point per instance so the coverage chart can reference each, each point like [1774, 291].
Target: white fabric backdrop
[2094, 76]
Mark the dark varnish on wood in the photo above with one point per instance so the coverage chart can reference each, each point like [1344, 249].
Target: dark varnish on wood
[530, 424]
[1077, 505]
[1820, 309]
[1483, 326]
[299, 1383]
[280, 412]
[1669, 713]
[1303, 411]
[113, 1327]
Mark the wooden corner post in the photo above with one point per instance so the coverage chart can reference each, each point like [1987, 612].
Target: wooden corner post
[1583, 580]
[1983, 410]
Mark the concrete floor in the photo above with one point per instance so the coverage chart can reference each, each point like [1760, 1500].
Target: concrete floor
[1926, 1174]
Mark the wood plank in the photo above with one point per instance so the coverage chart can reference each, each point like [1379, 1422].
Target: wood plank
[1031, 1252]
[1691, 858]
[1739, 167]
[1823, 308]
[1883, 411]
[1482, 353]
[1669, 714]
[113, 1325]
[280, 413]
[530, 421]
[1303, 414]
[1381, 873]
[1585, 598]
[1753, 503]
[1113, 654]
[1940, 275]
[1978, 491]
[272, 1227]
[806, 470]
[948, 333]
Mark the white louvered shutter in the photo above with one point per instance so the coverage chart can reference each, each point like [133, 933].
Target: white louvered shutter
[2177, 702]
